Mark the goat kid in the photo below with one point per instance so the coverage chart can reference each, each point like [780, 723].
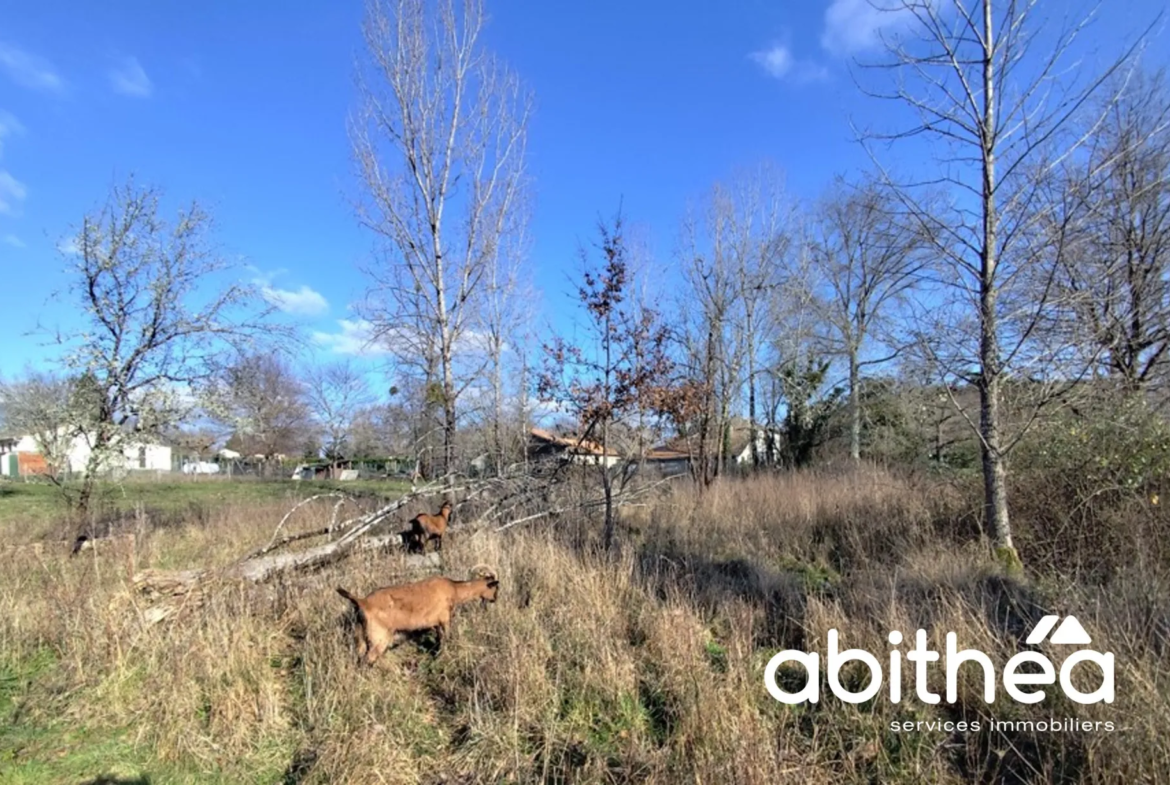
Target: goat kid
[388, 613]
[425, 527]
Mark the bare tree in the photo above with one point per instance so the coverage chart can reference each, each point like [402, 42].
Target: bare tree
[336, 392]
[865, 260]
[1000, 101]
[45, 406]
[711, 329]
[760, 241]
[1119, 280]
[154, 322]
[260, 400]
[506, 313]
[381, 430]
[799, 329]
[439, 143]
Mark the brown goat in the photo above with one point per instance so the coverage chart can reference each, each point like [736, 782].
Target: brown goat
[425, 527]
[427, 604]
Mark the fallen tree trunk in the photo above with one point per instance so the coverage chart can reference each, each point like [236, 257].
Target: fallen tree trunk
[261, 569]
[175, 590]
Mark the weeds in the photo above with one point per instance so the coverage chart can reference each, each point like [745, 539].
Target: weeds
[643, 668]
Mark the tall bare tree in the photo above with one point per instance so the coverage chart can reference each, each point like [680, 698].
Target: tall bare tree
[990, 82]
[506, 313]
[733, 264]
[261, 401]
[158, 315]
[336, 393]
[865, 259]
[1119, 280]
[711, 329]
[760, 241]
[439, 142]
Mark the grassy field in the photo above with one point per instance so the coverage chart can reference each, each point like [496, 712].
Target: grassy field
[646, 667]
[32, 511]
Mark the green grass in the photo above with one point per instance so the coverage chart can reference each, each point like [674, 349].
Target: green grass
[40, 742]
[643, 668]
[79, 755]
[40, 501]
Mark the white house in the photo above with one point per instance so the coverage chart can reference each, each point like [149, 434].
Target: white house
[200, 467]
[741, 442]
[21, 456]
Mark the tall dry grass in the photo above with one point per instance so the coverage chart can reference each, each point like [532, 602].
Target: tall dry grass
[644, 667]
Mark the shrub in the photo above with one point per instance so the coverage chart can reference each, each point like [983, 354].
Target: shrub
[1087, 490]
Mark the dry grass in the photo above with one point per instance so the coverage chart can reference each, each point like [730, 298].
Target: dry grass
[642, 668]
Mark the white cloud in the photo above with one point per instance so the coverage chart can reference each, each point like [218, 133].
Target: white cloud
[779, 63]
[355, 337]
[854, 26]
[263, 278]
[303, 302]
[68, 246]
[12, 191]
[14, 241]
[9, 126]
[29, 70]
[128, 78]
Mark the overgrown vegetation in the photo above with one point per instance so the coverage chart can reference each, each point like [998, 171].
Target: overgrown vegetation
[32, 511]
[645, 667]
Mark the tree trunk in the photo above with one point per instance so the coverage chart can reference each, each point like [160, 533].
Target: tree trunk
[607, 486]
[606, 480]
[938, 438]
[497, 446]
[724, 436]
[448, 412]
[854, 406]
[751, 358]
[101, 442]
[994, 472]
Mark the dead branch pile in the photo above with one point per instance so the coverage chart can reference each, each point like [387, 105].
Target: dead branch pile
[497, 503]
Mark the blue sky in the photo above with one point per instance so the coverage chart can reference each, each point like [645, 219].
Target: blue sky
[243, 106]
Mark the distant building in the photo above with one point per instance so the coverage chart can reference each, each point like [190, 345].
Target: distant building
[668, 461]
[675, 456]
[200, 467]
[545, 445]
[21, 456]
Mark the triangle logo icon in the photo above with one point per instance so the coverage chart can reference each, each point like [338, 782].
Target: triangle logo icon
[1071, 633]
[1042, 629]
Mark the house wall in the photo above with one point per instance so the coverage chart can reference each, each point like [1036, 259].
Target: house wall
[745, 456]
[595, 460]
[31, 463]
[27, 444]
[136, 456]
[22, 458]
[153, 457]
[147, 457]
[668, 466]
